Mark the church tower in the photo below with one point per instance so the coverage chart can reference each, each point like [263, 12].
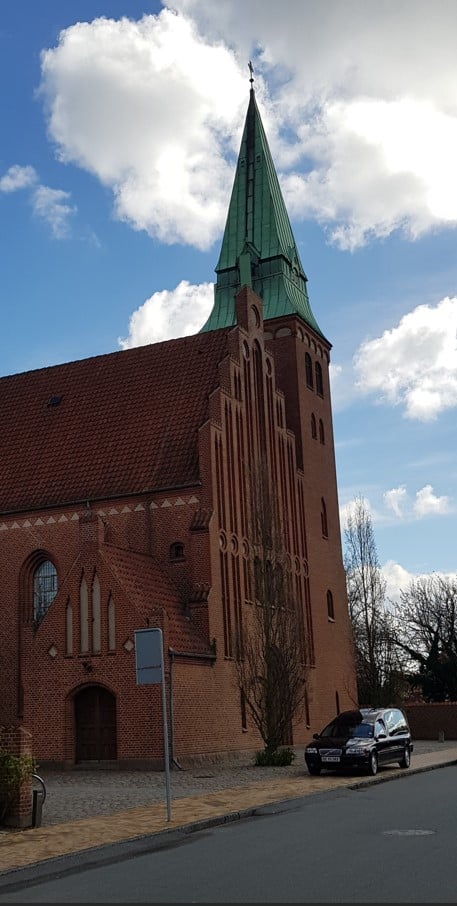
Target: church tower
[259, 251]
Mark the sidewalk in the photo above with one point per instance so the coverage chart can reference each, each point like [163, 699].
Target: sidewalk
[207, 808]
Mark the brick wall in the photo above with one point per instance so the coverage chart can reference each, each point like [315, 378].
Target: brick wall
[211, 521]
[434, 720]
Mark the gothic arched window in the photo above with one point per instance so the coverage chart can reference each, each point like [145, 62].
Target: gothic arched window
[44, 589]
[309, 371]
[319, 380]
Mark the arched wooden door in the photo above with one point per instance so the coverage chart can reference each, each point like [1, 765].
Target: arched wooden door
[95, 722]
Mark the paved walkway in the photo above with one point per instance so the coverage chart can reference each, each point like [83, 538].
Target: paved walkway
[85, 810]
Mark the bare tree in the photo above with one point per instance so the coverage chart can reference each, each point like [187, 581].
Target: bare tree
[271, 652]
[427, 633]
[378, 667]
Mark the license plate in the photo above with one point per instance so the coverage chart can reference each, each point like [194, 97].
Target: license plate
[330, 758]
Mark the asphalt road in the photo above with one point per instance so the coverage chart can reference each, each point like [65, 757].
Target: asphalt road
[393, 842]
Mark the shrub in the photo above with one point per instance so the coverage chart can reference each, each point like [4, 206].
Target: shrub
[14, 771]
[277, 759]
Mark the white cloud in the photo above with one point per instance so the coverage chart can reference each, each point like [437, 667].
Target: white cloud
[395, 500]
[414, 364]
[348, 509]
[428, 504]
[171, 313]
[17, 177]
[341, 386]
[365, 134]
[374, 170]
[52, 206]
[396, 578]
[352, 47]
[399, 579]
[396, 504]
[377, 126]
[149, 108]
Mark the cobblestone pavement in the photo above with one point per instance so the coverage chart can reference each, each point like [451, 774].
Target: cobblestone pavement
[86, 793]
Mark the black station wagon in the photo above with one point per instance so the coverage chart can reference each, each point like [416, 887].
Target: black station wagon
[364, 738]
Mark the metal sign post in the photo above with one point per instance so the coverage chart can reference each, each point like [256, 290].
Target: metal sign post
[149, 671]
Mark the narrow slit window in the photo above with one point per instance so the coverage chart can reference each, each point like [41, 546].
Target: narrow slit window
[309, 371]
[324, 523]
[330, 607]
[319, 381]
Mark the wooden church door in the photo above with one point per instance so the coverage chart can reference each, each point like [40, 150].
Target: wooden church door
[95, 720]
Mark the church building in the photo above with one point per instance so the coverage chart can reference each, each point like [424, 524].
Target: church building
[126, 488]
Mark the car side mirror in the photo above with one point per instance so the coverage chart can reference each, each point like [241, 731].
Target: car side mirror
[315, 735]
[382, 735]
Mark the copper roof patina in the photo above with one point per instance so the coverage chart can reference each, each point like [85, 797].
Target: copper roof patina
[258, 247]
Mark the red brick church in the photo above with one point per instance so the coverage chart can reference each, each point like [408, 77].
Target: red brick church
[125, 495]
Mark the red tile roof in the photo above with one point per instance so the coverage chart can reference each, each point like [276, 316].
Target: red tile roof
[126, 422]
[149, 589]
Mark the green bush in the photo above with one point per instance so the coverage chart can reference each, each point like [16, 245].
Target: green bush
[276, 759]
[14, 771]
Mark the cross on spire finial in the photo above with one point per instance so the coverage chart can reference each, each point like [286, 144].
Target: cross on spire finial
[251, 71]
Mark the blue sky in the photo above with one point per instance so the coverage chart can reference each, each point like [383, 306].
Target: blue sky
[121, 126]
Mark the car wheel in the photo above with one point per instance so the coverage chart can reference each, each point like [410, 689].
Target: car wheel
[314, 769]
[406, 760]
[373, 765]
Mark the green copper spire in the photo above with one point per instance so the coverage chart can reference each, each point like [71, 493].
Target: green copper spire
[258, 248]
